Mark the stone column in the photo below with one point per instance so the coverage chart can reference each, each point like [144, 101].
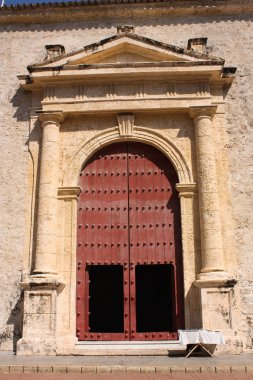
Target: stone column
[45, 260]
[210, 221]
[190, 235]
[67, 266]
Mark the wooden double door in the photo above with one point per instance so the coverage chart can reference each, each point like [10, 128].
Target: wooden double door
[129, 259]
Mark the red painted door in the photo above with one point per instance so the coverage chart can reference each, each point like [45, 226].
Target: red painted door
[129, 261]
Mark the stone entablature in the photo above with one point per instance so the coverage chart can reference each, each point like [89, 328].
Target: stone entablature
[149, 89]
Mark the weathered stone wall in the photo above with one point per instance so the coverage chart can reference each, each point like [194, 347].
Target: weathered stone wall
[229, 37]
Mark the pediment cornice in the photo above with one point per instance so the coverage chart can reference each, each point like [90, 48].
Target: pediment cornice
[128, 72]
[126, 54]
[146, 48]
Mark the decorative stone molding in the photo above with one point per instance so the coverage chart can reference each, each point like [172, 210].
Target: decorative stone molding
[69, 192]
[125, 29]
[216, 282]
[54, 51]
[50, 117]
[40, 282]
[155, 94]
[197, 44]
[49, 94]
[197, 113]
[171, 91]
[126, 124]
[186, 190]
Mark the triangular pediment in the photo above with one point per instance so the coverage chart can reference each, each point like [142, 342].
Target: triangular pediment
[127, 48]
[125, 51]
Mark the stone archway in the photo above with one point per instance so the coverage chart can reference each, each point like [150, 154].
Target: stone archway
[112, 135]
[182, 87]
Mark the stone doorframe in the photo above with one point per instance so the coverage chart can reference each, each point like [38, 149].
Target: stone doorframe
[49, 307]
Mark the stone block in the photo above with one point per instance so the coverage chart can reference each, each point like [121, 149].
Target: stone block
[132, 369]
[175, 369]
[223, 368]
[207, 369]
[192, 369]
[89, 369]
[74, 369]
[249, 368]
[104, 369]
[118, 369]
[16, 369]
[238, 368]
[59, 369]
[163, 369]
[147, 369]
[45, 368]
[30, 369]
[4, 369]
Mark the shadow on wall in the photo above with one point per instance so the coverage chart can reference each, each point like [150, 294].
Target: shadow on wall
[22, 103]
[13, 330]
[19, 121]
[34, 135]
[193, 302]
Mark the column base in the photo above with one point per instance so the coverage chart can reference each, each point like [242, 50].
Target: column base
[214, 278]
[217, 297]
[44, 273]
[39, 324]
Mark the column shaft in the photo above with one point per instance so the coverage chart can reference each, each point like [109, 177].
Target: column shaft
[45, 260]
[210, 221]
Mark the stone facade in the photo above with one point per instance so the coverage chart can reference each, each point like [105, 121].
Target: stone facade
[52, 121]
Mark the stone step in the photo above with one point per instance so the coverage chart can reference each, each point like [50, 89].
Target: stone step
[171, 348]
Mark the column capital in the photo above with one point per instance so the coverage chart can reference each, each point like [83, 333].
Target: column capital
[50, 117]
[202, 112]
[186, 190]
[68, 192]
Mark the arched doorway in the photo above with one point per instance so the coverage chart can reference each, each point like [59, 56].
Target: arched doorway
[129, 256]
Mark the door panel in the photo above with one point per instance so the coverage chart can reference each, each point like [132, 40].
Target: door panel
[151, 229]
[106, 298]
[102, 237]
[129, 218]
[154, 298]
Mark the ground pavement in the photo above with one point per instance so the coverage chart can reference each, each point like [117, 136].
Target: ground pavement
[113, 376]
[223, 367]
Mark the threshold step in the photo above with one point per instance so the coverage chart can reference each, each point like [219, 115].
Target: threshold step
[171, 348]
